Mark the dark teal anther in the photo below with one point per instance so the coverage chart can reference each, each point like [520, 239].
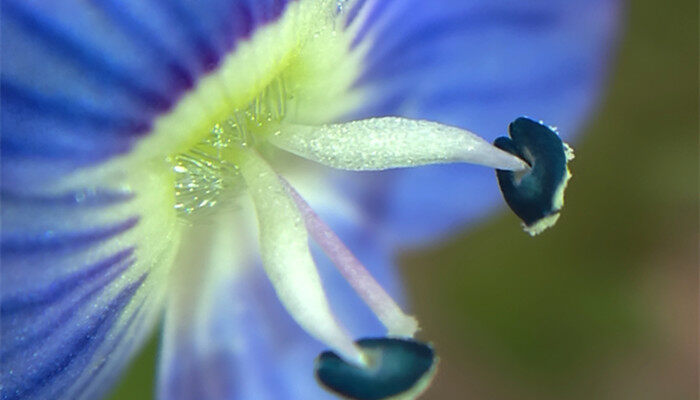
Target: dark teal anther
[535, 195]
[397, 368]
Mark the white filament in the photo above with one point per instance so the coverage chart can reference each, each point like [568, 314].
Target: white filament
[286, 258]
[390, 142]
[371, 292]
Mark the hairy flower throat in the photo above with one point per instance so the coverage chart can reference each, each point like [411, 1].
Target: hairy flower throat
[205, 171]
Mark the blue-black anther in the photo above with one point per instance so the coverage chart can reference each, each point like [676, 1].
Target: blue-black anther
[535, 195]
[397, 368]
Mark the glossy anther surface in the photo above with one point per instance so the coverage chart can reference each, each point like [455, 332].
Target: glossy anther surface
[398, 369]
[535, 195]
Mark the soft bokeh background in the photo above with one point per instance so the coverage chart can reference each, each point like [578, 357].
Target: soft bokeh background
[603, 306]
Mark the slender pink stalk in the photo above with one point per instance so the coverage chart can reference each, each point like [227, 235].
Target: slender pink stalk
[371, 292]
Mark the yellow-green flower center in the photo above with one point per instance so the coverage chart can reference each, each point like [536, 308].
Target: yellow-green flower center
[298, 69]
[205, 170]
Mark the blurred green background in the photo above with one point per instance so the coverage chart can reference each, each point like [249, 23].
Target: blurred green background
[605, 305]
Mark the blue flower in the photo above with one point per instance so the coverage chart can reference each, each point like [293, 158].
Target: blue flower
[149, 146]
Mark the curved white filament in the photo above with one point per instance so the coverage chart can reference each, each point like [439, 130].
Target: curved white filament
[390, 142]
[286, 257]
[371, 292]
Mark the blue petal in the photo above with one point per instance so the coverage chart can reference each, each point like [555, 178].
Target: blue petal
[83, 81]
[477, 65]
[238, 342]
[82, 284]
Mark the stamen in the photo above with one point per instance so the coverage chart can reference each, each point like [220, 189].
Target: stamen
[371, 292]
[286, 257]
[390, 142]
